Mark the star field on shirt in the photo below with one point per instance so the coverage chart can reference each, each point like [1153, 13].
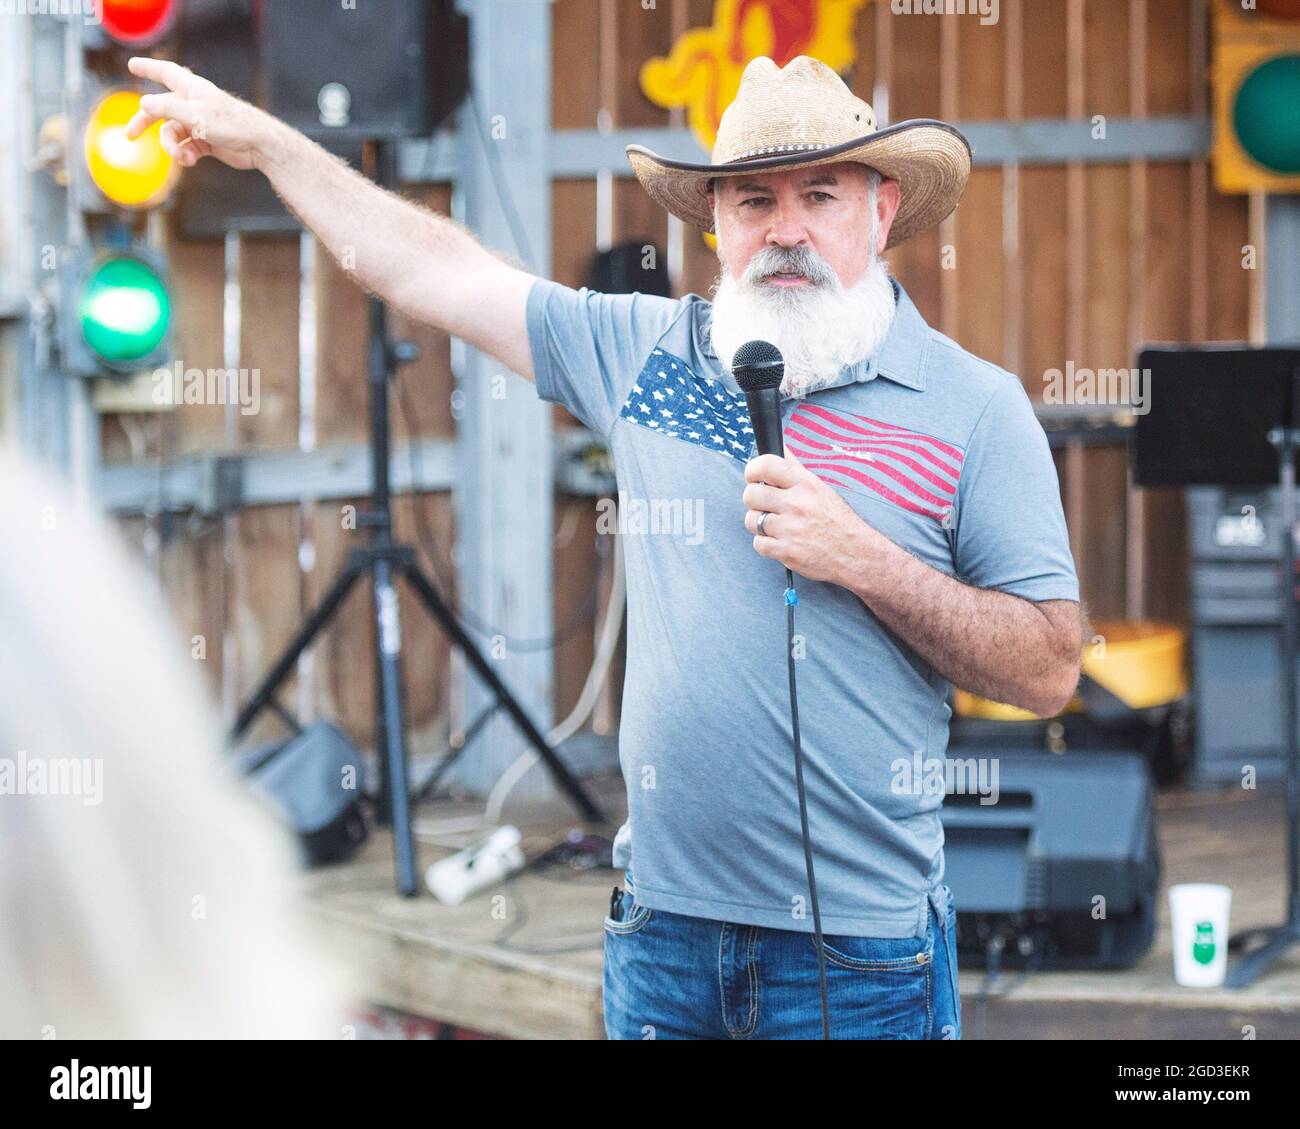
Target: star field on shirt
[671, 398]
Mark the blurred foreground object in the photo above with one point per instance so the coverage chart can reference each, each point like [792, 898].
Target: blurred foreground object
[141, 895]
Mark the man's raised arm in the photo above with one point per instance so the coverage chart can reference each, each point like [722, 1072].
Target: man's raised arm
[422, 263]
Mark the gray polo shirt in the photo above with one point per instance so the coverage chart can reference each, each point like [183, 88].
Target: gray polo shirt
[935, 448]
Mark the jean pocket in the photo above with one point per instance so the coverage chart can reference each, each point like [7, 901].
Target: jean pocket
[878, 954]
[633, 916]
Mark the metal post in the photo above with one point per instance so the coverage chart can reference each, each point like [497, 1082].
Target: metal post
[44, 394]
[504, 497]
[1286, 443]
[1282, 262]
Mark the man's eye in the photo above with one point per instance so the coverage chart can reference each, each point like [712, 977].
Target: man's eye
[757, 200]
[820, 197]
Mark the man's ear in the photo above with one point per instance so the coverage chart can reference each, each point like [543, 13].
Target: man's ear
[888, 198]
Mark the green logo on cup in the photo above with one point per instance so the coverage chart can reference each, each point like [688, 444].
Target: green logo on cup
[1203, 945]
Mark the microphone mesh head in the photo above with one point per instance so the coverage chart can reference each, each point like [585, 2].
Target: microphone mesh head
[756, 365]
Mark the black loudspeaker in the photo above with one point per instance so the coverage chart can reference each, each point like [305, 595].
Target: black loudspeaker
[635, 266]
[218, 41]
[1063, 870]
[377, 69]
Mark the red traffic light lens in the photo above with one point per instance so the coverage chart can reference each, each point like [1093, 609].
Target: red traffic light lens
[138, 23]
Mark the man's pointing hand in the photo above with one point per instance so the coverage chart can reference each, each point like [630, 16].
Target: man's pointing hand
[199, 118]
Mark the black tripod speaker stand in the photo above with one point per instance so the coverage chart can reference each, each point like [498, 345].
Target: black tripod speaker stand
[1231, 417]
[385, 561]
[1276, 940]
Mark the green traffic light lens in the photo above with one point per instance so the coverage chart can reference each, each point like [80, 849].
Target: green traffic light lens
[124, 311]
[1266, 115]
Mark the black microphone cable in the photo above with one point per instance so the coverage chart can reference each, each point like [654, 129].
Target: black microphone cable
[791, 599]
[758, 368]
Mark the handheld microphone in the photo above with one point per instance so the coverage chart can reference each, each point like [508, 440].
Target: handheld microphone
[758, 368]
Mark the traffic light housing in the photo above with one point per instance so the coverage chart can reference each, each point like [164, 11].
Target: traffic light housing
[117, 311]
[1256, 76]
[115, 305]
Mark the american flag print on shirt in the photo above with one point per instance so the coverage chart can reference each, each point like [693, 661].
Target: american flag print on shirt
[670, 398]
[857, 453]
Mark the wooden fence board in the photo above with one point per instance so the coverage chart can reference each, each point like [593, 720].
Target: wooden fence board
[198, 275]
[267, 601]
[981, 267]
[268, 283]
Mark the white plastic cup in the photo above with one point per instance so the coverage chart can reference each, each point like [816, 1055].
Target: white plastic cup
[1198, 914]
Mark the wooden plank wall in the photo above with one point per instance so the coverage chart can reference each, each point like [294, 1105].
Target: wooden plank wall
[1039, 266]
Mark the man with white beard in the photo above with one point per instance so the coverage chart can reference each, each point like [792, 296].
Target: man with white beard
[818, 328]
[917, 502]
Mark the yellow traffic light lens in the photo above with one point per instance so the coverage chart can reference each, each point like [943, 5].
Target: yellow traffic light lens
[132, 174]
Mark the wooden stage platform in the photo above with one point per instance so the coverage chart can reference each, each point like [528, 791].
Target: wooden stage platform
[524, 961]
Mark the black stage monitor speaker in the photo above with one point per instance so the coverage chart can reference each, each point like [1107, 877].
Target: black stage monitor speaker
[377, 69]
[1029, 869]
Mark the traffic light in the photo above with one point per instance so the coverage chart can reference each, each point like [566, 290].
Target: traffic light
[115, 305]
[1256, 74]
[117, 311]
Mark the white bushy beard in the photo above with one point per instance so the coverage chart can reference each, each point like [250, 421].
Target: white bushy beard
[819, 328]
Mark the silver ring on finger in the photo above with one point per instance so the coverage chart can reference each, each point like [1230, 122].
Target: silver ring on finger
[761, 519]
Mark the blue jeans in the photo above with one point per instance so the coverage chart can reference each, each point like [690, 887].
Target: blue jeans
[668, 976]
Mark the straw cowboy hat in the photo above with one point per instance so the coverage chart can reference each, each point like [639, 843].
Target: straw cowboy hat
[782, 116]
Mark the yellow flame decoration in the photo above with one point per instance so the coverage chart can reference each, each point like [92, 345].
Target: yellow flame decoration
[703, 71]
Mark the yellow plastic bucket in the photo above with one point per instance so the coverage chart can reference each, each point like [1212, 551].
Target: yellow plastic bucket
[1142, 662]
